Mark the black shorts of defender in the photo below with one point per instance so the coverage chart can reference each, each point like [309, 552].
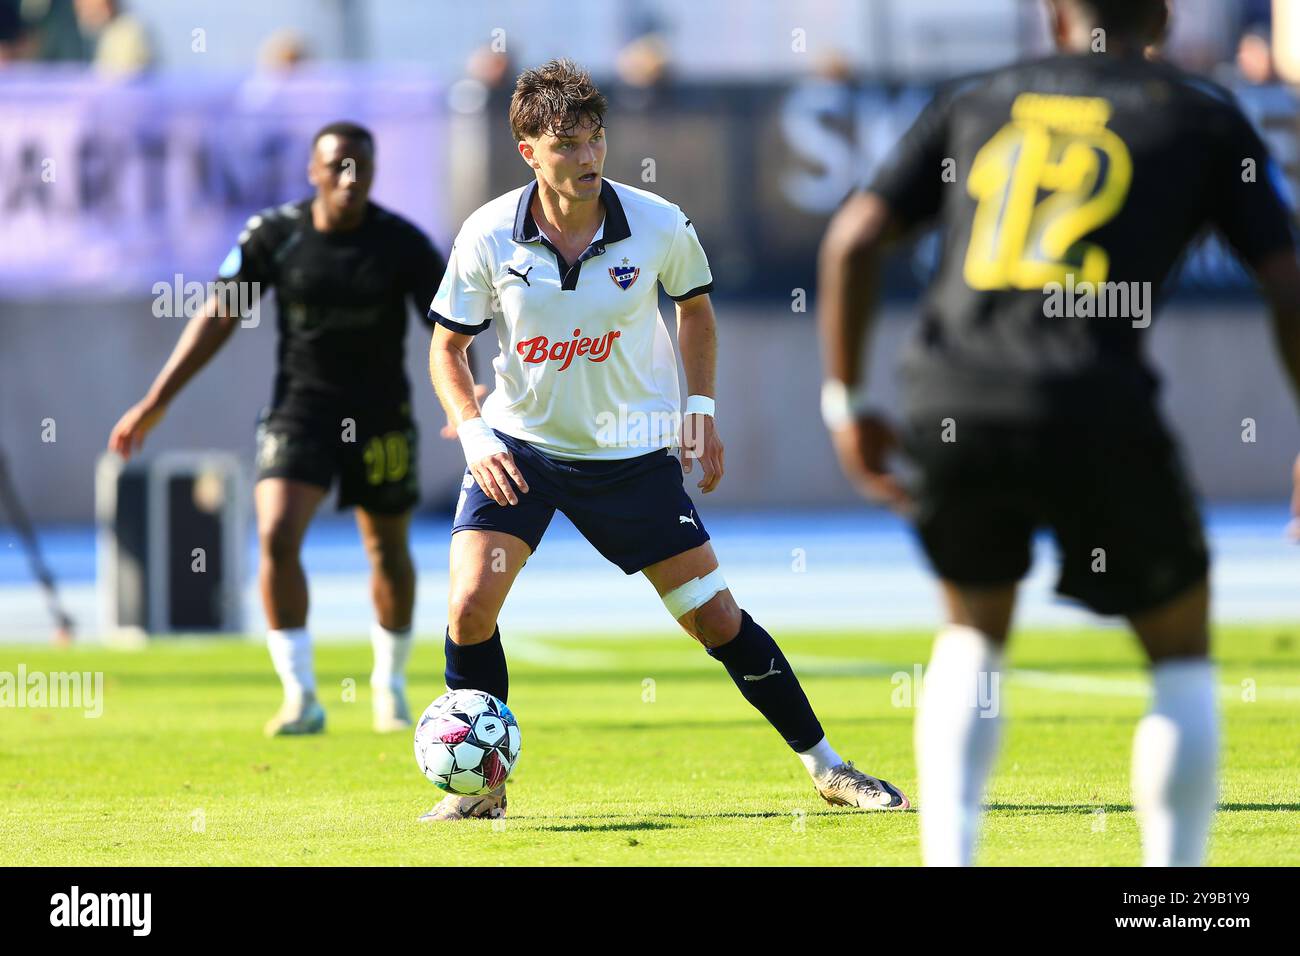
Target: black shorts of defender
[634, 511]
[1114, 496]
[374, 460]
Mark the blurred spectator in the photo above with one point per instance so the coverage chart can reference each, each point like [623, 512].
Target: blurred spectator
[834, 67]
[120, 42]
[51, 27]
[282, 51]
[278, 58]
[642, 67]
[487, 85]
[479, 103]
[13, 32]
[491, 68]
[643, 63]
[1255, 56]
[1202, 34]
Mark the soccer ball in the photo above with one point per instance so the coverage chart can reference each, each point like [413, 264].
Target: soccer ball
[467, 742]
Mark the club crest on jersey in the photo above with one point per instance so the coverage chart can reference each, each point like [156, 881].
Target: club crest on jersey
[623, 276]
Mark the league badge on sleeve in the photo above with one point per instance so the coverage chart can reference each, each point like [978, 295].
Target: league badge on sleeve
[624, 275]
[231, 264]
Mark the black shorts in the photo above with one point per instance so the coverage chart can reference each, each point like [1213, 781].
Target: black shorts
[634, 511]
[374, 456]
[1125, 520]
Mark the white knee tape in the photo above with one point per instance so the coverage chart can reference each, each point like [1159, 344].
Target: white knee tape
[693, 593]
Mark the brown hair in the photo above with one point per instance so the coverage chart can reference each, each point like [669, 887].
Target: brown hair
[554, 98]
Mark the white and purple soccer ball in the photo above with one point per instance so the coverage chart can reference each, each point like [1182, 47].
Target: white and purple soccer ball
[467, 742]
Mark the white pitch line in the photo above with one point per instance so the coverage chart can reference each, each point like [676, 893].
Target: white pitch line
[537, 651]
[540, 652]
[1118, 687]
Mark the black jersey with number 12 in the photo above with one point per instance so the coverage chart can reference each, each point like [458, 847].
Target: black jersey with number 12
[1067, 187]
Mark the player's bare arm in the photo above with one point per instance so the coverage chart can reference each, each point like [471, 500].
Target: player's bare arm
[203, 337]
[848, 277]
[453, 381]
[697, 338]
[448, 430]
[1279, 278]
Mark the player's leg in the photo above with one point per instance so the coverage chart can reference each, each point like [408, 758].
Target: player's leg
[1175, 749]
[386, 538]
[691, 587]
[379, 480]
[958, 720]
[284, 509]
[489, 545]
[637, 514]
[1133, 545]
[484, 565]
[976, 504]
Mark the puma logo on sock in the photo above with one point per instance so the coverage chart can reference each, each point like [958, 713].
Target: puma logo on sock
[771, 669]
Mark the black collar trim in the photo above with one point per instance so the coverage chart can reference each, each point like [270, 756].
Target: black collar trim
[616, 226]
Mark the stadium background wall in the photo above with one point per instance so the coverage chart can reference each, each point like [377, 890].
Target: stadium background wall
[759, 167]
[57, 363]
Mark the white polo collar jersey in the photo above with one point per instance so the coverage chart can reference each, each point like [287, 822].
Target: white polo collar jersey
[586, 368]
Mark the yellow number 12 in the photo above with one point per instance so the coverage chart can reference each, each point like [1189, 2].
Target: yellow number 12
[1021, 240]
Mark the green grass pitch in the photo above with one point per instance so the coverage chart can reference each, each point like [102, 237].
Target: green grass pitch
[636, 751]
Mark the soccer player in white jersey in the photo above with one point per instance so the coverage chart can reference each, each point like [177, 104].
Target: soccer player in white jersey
[585, 381]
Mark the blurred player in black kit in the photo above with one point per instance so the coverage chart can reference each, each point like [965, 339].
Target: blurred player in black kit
[343, 269]
[1080, 181]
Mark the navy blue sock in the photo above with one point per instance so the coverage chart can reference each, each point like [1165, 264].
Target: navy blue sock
[478, 666]
[776, 693]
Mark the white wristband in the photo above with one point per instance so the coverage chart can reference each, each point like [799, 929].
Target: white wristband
[478, 440]
[842, 405]
[699, 405]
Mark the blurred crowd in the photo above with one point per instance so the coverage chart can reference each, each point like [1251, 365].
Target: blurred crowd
[97, 32]
[106, 36]
[1211, 49]
[1231, 40]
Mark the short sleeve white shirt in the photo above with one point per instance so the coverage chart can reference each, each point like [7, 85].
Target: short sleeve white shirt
[586, 368]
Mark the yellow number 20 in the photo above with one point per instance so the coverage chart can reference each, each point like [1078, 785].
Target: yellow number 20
[387, 458]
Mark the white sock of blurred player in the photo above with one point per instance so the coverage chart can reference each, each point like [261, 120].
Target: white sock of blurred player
[290, 649]
[1175, 751]
[392, 648]
[819, 759]
[958, 728]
